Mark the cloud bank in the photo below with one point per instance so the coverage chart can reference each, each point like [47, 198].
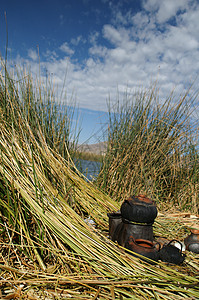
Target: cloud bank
[159, 42]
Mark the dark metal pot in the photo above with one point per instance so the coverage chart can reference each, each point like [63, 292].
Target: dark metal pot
[192, 241]
[139, 209]
[171, 254]
[115, 219]
[138, 231]
[143, 247]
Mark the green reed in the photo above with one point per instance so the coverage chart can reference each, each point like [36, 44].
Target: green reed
[153, 149]
[23, 97]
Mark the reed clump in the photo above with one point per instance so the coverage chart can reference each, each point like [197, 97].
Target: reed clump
[153, 149]
[48, 247]
[36, 101]
[88, 156]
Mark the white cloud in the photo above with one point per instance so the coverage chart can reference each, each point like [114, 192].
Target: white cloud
[93, 37]
[144, 51]
[33, 54]
[169, 8]
[151, 5]
[50, 55]
[76, 41]
[66, 49]
[140, 20]
[179, 39]
[112, 34]
[100, 51]
[165, 9]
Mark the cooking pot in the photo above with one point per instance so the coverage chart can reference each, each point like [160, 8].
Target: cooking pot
[143, 247]
[192, 241]
[140, 209]
[171, 254]
[138, 231]
[115, 219]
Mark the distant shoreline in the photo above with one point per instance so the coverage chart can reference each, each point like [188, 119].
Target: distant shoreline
[97, 149]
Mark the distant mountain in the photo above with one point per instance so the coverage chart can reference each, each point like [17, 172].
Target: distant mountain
[98, 148]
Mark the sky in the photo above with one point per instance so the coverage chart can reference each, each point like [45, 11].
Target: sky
[98, 49]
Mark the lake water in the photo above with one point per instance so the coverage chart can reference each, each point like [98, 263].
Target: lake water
[90, 169]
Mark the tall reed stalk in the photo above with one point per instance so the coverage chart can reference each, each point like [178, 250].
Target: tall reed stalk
[153, 148]
[36, 102]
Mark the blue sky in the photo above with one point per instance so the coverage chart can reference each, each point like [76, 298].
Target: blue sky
[103, 47]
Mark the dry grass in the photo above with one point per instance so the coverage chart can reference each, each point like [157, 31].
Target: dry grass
[153, 149]
[47, 245]
[49, 251]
